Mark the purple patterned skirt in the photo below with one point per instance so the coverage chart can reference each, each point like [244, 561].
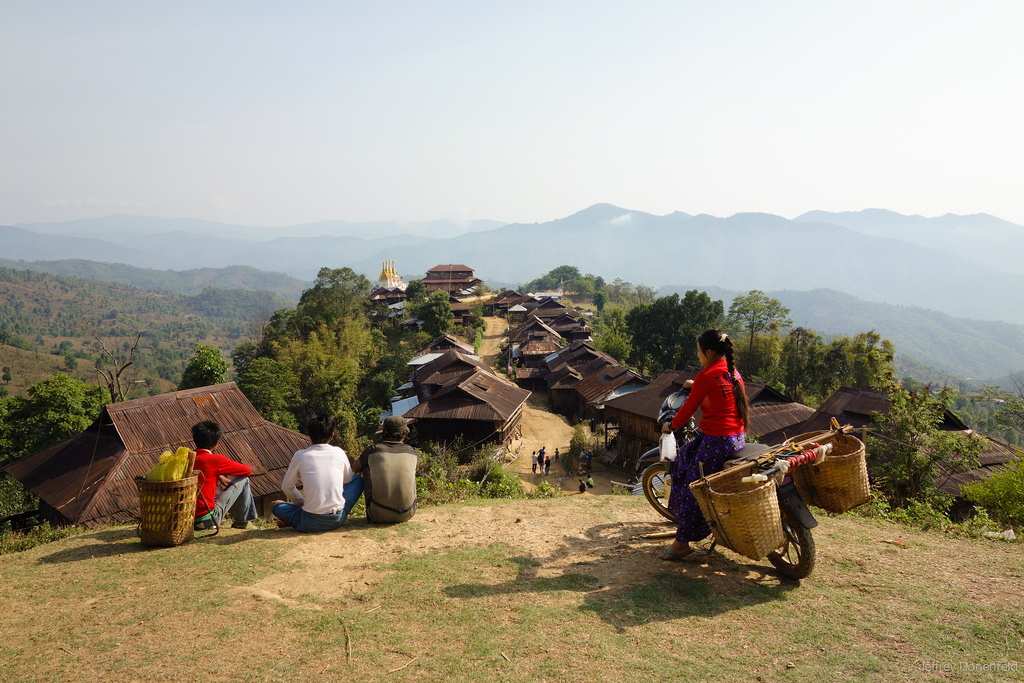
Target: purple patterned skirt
[712, 451]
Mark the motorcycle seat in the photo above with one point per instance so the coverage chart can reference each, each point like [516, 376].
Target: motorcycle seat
[746, 454]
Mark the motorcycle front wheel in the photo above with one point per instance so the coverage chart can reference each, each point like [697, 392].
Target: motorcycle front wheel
[657, 483]
[795, 557]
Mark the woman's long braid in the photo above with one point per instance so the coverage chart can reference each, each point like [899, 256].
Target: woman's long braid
[737, 390]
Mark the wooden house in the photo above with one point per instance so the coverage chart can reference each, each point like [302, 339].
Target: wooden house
[446, 342]
[89, 479]
[499, 305]
[463, 400]
[452, 278]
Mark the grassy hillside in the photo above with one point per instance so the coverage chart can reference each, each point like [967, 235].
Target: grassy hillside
[561, 589]
[46, 319]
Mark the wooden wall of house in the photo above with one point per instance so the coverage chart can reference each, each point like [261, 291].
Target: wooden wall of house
[447, 431]
[512, 429]
[634, 425]
[563, 400]
[629, 449]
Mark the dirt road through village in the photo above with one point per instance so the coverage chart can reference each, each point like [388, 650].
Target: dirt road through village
[541, 428]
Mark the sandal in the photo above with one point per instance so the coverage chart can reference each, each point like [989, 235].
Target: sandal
[671, 556]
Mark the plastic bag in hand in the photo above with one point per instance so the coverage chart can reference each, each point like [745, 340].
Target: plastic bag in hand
[668, 447]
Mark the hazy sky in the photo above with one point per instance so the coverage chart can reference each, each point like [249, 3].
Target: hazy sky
[280, 113]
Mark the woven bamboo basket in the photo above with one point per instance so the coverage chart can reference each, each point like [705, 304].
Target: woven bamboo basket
[840, 482]
[167, 511]
[743, 517]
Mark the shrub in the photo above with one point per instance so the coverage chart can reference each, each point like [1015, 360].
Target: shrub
[1002, 494]
[925, 516]
[16, 541]
[545, 490]
[502, 485]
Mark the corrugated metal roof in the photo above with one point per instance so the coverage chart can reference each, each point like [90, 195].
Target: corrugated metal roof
[444, 343]
[597, 386]
[538, 347]
[447, 367]
[450, 268]
[477, 396]
[774, 423]
[90, 478]
[532, 326]
[401, 407]
[856, 407]
[155, 421]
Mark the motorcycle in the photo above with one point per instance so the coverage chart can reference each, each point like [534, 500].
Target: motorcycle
[796, 556]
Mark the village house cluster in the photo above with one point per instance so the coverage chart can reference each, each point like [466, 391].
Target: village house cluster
[449, 395]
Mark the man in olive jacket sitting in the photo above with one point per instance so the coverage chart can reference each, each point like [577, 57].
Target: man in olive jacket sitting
[389, 475]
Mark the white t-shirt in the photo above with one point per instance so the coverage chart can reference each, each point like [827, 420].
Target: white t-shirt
[322, 470]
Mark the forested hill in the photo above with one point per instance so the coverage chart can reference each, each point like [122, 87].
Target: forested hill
[50, 323]
[173, 282]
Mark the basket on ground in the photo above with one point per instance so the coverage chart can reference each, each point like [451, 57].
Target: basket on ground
[840, 482]
[167, 510]
[744, 517]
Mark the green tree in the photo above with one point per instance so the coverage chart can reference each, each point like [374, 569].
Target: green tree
[336, 294]
[612, 335]
[416, 292]
[554, 278]
[600, 299]
[437, 315]
[205, 368]
[7, 375]
[698, 312]
[1002, 493]
[1010, 404]
[56, 408]
[272, 388]
[911, 451]
[664, 332]
[871, 360]
[757, 312]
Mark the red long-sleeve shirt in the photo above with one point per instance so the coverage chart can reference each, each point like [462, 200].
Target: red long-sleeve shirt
[212, 465]
[712, 393]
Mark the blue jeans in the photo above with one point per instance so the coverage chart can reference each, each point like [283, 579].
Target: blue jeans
[310, 523]
[236, 498]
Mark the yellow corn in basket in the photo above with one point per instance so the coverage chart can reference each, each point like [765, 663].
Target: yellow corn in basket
[840, 482]
[744, 517]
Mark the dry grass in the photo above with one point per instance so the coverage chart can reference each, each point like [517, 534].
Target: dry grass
[521, 590]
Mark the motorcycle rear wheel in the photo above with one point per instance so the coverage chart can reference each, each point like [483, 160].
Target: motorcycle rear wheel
[657, 483]
[795, 557]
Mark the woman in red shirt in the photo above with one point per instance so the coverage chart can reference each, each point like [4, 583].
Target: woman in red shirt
[718, 392]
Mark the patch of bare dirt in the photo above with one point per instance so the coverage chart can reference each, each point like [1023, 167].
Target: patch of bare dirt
[558, 535]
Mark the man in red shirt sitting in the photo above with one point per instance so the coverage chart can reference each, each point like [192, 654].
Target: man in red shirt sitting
[236, 497]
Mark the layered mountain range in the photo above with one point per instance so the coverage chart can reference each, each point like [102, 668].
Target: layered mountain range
[930, 269]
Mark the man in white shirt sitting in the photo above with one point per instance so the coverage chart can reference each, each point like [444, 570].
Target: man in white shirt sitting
[329, 486]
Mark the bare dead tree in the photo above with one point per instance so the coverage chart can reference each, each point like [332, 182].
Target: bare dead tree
[112, 376]
[256, 331]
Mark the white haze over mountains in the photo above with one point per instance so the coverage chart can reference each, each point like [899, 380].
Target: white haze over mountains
[963, 266]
